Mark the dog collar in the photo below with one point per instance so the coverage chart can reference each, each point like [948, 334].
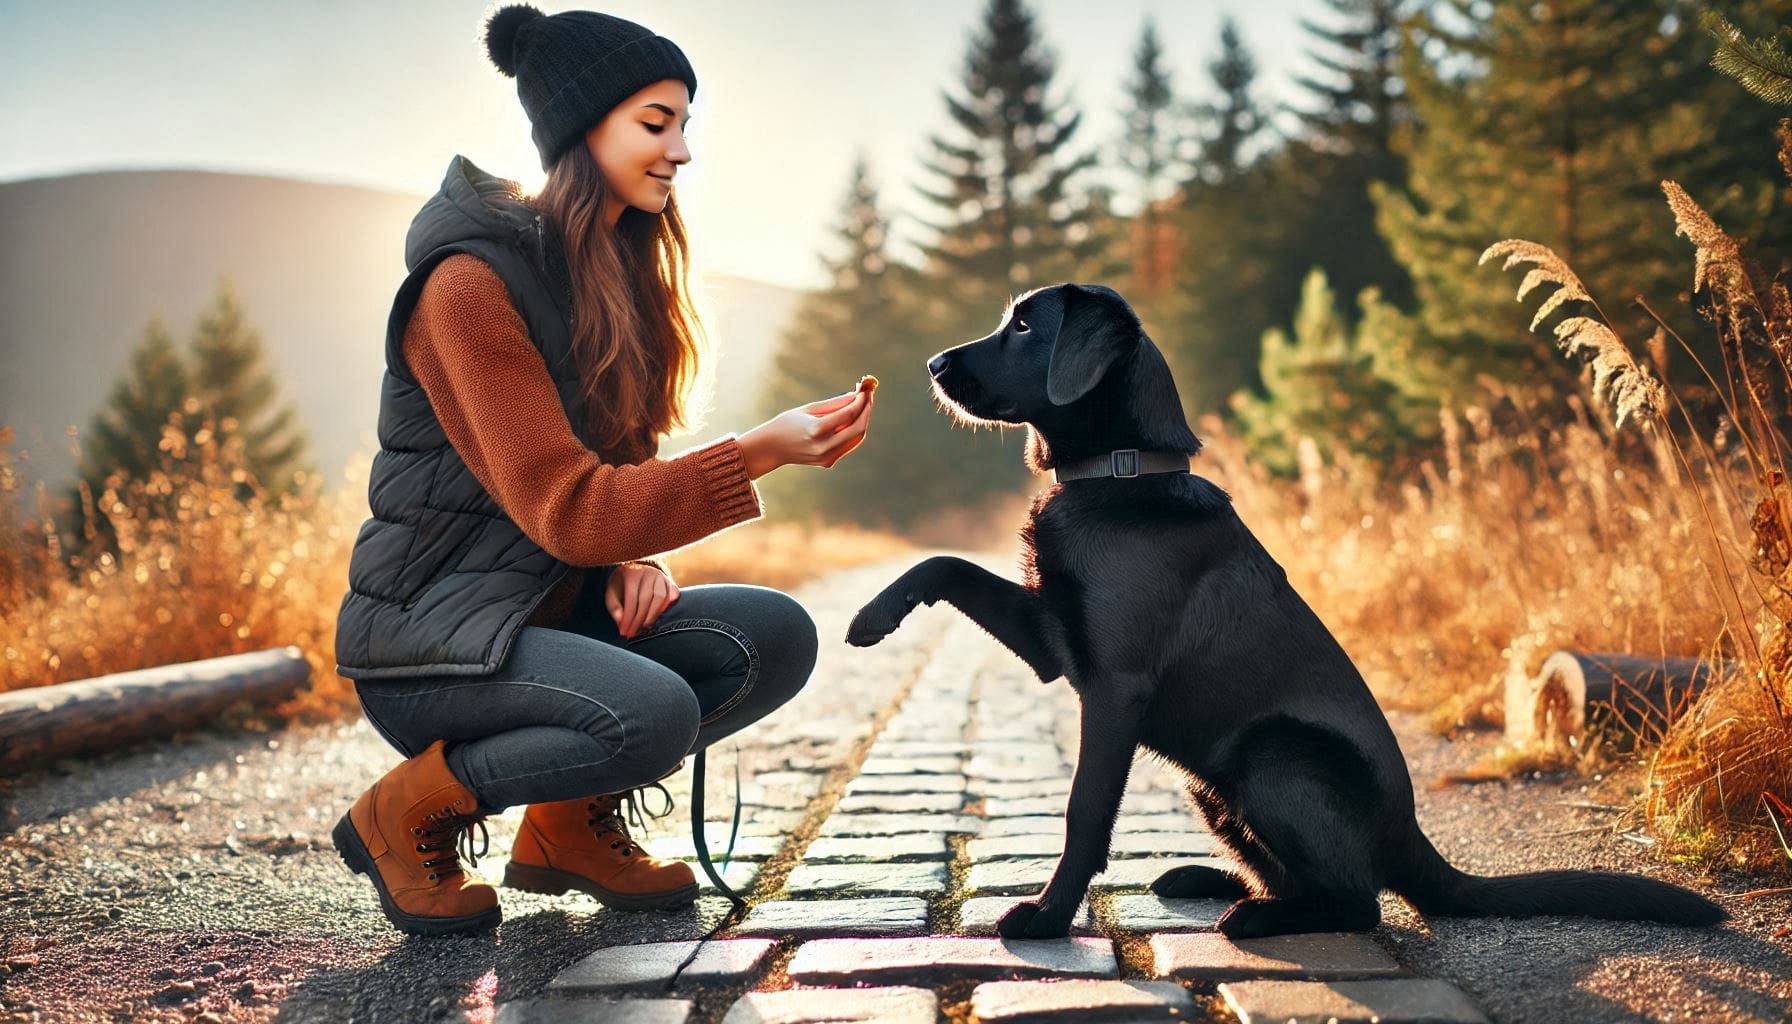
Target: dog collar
[1123, 464]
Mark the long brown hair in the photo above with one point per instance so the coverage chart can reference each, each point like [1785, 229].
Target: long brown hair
[636, 334]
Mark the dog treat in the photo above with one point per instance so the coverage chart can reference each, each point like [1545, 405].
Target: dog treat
[867, 383]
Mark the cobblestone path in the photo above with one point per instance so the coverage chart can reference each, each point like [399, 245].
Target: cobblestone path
[893, 811]
[878, 870]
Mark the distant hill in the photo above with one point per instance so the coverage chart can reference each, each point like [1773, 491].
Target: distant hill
[87, 259]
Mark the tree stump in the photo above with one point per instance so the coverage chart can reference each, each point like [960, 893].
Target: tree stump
[1576, 690]
[117, 710]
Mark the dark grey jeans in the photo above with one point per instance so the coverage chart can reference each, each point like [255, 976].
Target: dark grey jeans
[578, 710]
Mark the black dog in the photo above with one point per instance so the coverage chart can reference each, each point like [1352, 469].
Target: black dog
[1180, 633]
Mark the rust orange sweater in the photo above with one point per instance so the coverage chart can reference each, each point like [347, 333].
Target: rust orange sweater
[490, 388]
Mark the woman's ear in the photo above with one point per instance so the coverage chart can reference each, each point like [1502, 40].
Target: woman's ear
[1095, 327]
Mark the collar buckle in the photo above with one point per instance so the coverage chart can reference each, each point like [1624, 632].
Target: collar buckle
[1124, 462]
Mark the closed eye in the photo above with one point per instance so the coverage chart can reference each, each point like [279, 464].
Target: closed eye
[654, 128]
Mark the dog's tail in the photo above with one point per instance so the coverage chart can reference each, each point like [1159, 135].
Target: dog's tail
[1433, 886]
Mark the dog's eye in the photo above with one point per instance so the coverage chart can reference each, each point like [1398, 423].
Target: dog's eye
[1020, 327]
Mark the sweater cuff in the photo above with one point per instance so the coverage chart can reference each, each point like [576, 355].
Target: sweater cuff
[731, 489]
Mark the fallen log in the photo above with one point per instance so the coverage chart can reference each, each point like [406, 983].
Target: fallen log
[1575, 691]
[86, 715]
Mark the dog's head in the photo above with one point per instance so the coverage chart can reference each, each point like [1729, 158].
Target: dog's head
[1071, 361]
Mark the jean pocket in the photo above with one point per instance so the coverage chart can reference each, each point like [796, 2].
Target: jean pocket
[715, 697]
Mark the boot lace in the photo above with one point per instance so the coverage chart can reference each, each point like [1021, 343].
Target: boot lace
[608, 816]
[450, 837]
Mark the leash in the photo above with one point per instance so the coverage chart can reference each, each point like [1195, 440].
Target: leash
[701, 843]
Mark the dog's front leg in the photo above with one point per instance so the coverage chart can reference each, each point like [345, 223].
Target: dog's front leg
[1011, 613]
[1111, 720]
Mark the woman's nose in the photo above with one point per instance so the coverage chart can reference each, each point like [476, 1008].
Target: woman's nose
[678, 152]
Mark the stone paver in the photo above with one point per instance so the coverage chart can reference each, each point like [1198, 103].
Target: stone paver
[1150, 913]
[1039, 1002]
[906, 784]
[888, 746]
[1013, 847]
[1209, 958]
[1400, 1001]
[900, 803]
[1015, 790]
[905, 878]
[949, 958]
[651, 965]
[595, 1011]
[887, 915]
[912, 765]
[894, 1005]
[745, 847]
[1025, 806]
[979, 915]
[848, 849]
[1033, 825]
[898, 824]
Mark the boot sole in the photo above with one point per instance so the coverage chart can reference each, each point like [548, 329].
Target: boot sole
[354, 853]
[550, 882]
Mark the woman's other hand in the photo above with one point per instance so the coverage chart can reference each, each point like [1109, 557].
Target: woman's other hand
[817, 434]
[636, 594]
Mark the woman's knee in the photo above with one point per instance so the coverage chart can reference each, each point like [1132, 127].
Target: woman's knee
[659, 721]
[787, 639]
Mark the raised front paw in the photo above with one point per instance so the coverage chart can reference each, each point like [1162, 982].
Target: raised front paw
[1031, 920]
[880, 617]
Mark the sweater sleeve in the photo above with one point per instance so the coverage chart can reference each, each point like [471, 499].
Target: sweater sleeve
[491, 390]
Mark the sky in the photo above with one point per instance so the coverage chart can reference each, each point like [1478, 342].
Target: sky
[385, 94]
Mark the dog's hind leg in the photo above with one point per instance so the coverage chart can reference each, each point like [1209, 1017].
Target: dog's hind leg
[1113, 713]
[1308, 803]
[1011, 613]
[1197, 881]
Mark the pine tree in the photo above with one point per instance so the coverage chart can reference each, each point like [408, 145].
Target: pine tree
[1555, 122]
[1149, 150]
[1323, 384]
[1009, 217]
[1235, 120]
[238, 394]
[127, 439]
[1763, 66]
[1357, 103]
[1228, 241]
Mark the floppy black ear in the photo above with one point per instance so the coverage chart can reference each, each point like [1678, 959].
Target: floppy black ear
[1097, 328]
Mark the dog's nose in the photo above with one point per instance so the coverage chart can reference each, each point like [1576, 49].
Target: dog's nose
[937, 365]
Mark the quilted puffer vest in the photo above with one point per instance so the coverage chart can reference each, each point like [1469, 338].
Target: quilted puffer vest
[440, 579]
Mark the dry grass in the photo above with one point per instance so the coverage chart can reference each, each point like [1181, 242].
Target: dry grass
[1720, 786]
[1515, 542]
[227, 574]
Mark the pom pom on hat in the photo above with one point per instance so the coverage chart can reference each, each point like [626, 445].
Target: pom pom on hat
[500, 34]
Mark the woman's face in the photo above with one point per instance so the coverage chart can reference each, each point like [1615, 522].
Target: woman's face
[639, 146]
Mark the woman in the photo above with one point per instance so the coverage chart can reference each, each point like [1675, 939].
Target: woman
[505, 627]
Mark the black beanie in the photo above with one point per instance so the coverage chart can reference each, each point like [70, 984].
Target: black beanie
[573, 68]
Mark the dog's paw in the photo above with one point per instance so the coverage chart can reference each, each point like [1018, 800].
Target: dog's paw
[1030, 920]
[879, 618]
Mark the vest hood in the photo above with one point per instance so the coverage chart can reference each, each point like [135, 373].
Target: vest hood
[471, 205]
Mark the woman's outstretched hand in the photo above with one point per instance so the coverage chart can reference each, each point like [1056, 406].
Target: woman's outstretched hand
[636, 594]
[817, 434]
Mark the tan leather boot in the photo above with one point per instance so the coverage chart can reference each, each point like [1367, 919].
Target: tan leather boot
[584, 844]
[403, 834]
